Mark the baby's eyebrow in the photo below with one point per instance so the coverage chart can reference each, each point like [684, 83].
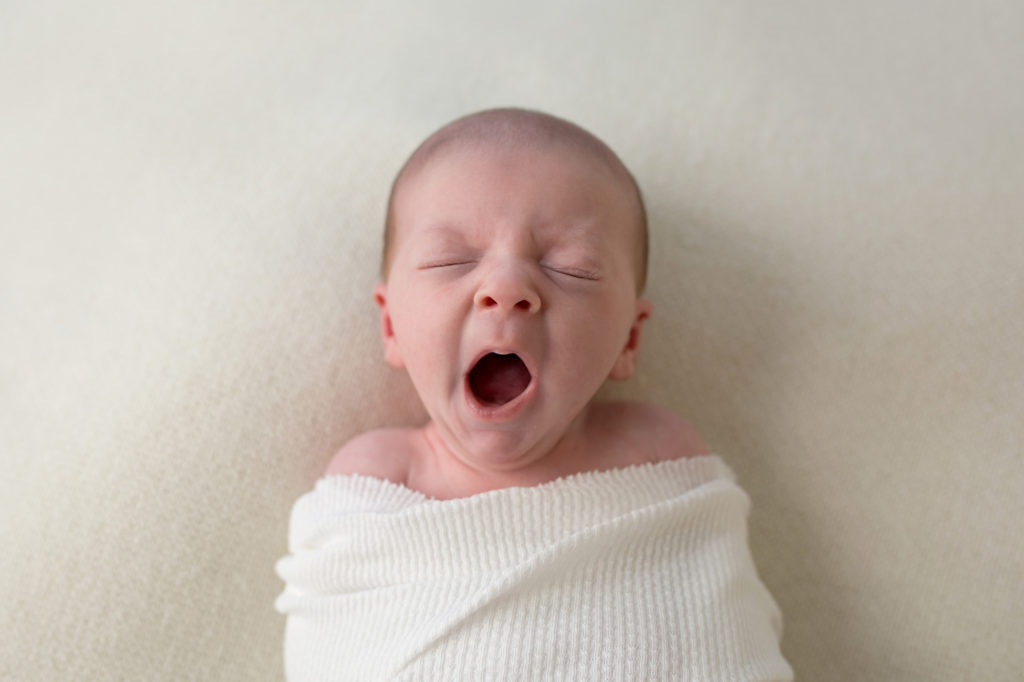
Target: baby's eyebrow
[575, 236]
[440, 232]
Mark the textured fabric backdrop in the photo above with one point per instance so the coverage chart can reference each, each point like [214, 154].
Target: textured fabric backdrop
[190, 206]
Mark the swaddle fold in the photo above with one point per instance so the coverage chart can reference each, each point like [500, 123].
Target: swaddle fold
[639, 573]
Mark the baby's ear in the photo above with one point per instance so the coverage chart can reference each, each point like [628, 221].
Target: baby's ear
[387, 332]
[626, 362]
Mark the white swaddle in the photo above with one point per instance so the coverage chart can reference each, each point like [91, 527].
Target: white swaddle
[640, 573]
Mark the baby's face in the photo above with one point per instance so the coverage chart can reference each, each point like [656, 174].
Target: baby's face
[511, 295]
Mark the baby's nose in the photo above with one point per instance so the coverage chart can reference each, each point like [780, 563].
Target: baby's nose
[508, 291]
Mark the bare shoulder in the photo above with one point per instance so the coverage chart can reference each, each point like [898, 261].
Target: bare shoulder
[381, 453]
[658, 431]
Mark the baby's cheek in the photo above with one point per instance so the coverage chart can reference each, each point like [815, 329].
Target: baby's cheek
[588, 348]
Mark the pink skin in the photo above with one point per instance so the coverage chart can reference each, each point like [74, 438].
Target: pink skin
[512, 250]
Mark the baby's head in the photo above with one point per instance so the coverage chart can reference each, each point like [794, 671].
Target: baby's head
[514, 255]
[523, 129]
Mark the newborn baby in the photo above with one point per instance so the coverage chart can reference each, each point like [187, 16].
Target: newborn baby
[525, 532]
[515, 254]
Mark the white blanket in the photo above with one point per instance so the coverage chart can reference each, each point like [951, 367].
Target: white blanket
[641, 573]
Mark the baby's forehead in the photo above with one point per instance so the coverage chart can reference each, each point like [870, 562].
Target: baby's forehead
[552, 182]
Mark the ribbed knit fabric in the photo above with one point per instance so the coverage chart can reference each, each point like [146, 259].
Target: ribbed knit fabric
[640, 573]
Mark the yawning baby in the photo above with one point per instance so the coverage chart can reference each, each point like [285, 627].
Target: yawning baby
[526, 531]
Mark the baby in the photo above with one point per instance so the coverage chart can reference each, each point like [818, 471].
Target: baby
[515, 253]
[526, 532]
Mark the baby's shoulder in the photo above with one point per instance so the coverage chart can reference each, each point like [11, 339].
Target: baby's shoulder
[657, 432]
[381, 453]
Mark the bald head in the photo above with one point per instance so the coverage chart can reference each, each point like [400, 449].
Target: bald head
[518, 129]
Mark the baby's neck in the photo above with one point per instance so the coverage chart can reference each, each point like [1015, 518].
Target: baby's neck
[594, 440]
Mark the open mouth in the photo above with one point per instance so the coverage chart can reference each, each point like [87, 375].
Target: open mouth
[497, 379]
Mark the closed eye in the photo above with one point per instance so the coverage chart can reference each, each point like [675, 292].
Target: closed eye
[433, 265]
[575, 273]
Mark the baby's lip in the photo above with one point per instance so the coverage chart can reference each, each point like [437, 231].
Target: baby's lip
[507, 409]
[502, 350]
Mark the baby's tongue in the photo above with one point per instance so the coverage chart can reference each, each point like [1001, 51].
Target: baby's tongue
[497, 379]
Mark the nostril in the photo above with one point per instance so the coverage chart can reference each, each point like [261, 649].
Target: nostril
[483, 301]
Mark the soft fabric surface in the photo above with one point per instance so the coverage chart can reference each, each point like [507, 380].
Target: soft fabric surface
[191, 197]
[640, 573]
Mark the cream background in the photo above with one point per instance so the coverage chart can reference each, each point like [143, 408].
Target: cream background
[190, 208]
